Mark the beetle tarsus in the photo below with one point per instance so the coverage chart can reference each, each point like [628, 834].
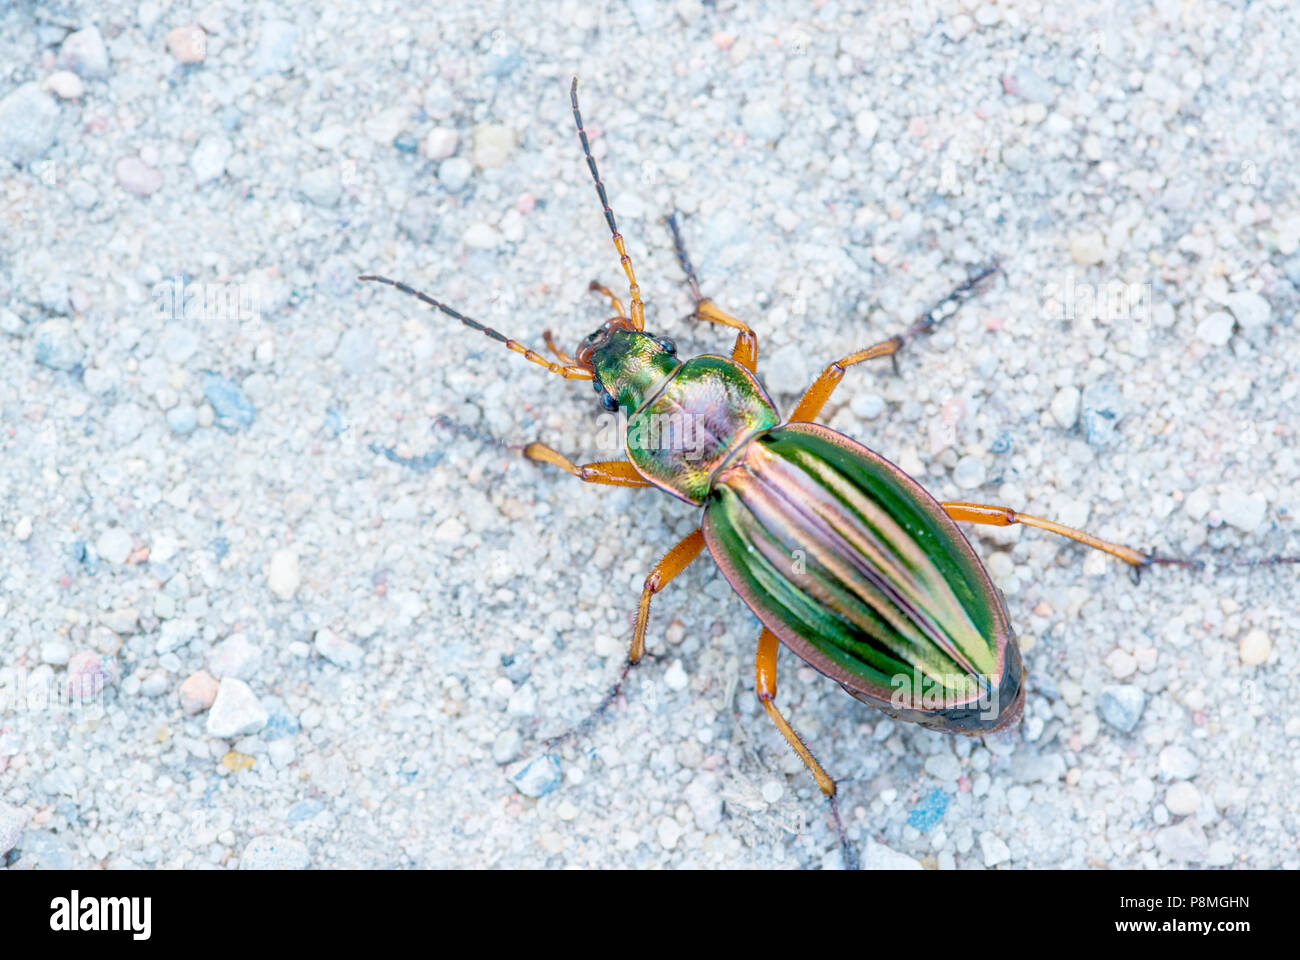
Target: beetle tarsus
[848, 852]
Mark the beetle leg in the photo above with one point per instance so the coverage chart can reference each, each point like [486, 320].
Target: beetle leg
[560, 355]
[617, 304]
[1004, 516]
[674, 562]
[765, 687]
[816, 396]
[745, 352]
[618, 473]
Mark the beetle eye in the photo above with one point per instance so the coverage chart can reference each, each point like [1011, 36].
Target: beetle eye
[608, 402]
[669, 346]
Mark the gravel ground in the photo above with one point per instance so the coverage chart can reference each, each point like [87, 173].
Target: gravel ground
[242, 493]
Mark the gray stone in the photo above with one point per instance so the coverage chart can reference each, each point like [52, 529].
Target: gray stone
[29, 119]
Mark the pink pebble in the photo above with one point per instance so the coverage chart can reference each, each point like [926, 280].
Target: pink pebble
[89, 673]
[723, 41]
[916, 128]
[525, 203]
[198, 691]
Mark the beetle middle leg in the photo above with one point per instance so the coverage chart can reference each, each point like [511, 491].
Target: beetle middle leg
[618, 473]
[745, 352]
[765, 687]
[811, 403]
[674, 562]
[994, 516]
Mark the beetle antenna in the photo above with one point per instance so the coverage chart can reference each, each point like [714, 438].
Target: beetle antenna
[568, 371]
[638, 309]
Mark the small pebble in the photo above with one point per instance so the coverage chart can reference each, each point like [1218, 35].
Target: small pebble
[84, 53]
[440, 143]
[198, 691]
[208, 161]
[57, 346]
[274, 853]
[1215, 329]
[187, 44]
[89, 673]
[454, 173]
[493, 144]
[538, 777]
[506, 747]
[1065, 407]
[1250, 309]
[236, 711]
[1182, 799]
[1183, 843]
[114, 545]
[183, 419]
[1121, 706]
[65, 85]
[233, 410]
[12, 821]
[283, 574]
[1245, 511]
[1087, 248]
[1178, 763]
[970, 472]
[763, 120]
[29, 122]
[337, 650]
[236, 656]
[994, 849]
[1254, 647]
[275, 53]
[1103, 405]
[321, 186]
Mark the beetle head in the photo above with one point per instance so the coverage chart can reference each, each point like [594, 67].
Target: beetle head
[628, 363]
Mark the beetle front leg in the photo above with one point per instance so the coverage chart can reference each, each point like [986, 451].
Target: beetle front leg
[674, 562]
[765, 687]
[617, 473]
[745, 351]
[993, 516]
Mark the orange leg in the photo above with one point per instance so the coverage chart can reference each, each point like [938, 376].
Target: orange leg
[617, 473]
[1004, 517]
[674, 562]
[816, 396]
[745, 352]
[615, 302]
[560, 355]
[765, 687]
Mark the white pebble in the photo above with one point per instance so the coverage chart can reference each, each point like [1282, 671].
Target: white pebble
[1216, 329]
[1182, 799]
[283, 574]
[994, 850]
[114, 545]
[1254, 648]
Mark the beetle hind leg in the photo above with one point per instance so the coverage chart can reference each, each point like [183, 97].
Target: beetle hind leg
[765, 687]
[745, 351]
[674, 562]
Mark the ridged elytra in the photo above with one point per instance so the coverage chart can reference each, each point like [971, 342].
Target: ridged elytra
[841, 555]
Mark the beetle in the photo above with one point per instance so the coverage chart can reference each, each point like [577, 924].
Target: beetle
[842, 557]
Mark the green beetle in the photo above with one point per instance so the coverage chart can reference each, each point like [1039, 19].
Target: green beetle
[842, 556]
